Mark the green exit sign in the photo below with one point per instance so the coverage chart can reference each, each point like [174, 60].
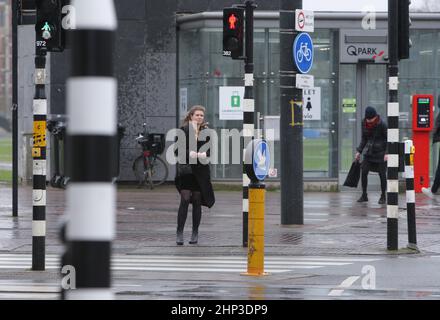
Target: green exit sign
[424, 100]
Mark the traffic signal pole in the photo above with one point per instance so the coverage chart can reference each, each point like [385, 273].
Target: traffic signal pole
[92, 111]
[48, 36]
[14, 9]
[393, 127]
[291, 121]
[39, 161]
[248, 107]
[233, 26]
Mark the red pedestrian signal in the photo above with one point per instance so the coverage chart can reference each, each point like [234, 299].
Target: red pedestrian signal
[232, 20]
[233, 32]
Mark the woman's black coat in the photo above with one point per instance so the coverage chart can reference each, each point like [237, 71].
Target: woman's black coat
[200, 171]
[375, 145]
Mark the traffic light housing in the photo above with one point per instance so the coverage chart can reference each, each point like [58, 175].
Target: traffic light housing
[403, 33]
[49, 31]
[233, 32]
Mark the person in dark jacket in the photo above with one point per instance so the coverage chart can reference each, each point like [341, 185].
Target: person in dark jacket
[374, 145]
[430, 192]
[194, 186]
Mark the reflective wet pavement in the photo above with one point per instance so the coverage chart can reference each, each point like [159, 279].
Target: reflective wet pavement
[305, 260]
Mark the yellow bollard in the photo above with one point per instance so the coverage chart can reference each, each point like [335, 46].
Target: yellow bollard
[255, 265]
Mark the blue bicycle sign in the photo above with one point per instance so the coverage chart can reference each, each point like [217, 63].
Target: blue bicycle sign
[303, 52]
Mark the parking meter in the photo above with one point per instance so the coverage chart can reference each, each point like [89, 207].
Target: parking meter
[422, 124]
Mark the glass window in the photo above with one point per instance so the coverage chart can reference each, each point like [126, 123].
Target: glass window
[203, 69]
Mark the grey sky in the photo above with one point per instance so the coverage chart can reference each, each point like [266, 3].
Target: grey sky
[367, 5]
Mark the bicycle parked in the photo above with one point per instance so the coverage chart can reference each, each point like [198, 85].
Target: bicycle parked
[149, 168]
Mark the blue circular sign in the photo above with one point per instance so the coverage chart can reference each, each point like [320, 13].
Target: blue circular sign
[261, 160]
[303, 52]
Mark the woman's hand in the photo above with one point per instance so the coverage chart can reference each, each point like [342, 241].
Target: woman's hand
[201, 155]
[193, 154]
[357, 156]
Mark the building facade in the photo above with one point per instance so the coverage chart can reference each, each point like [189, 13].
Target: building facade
[169, 54]
[5, 65]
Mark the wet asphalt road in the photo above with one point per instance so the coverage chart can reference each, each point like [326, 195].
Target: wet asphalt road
[339, 253]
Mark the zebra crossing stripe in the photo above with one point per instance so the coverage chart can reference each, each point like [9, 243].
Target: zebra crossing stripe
[274, 264]
[54, 257]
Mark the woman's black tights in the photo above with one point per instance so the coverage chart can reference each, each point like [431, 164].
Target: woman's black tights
[185, 198]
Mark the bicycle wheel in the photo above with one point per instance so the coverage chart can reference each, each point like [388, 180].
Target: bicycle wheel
[150, 177]
[309, 54]
[299, 56]
[159, 171]
[139, 170]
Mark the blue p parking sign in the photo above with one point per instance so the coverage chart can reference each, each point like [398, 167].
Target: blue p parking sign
[303, 52]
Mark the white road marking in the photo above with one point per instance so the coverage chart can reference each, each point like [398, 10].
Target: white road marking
[347, 283]
[272, 264]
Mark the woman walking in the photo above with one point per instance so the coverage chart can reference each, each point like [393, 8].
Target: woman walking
[193, 178]
[374, 145]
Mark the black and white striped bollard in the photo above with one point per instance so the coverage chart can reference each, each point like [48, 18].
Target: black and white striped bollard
[393, 129]
[248, 108]
[92, 111]
[410, 194]
[39, 163]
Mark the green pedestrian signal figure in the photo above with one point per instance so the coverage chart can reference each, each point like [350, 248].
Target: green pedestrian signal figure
[235, 100]
[46, 31]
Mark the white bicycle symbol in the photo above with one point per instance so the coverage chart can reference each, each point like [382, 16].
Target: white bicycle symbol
[304, 52]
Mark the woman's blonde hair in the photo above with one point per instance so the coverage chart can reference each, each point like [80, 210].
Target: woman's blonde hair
[191, 113]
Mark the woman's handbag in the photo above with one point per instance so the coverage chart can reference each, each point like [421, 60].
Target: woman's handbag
[184, 169]
[354, 175]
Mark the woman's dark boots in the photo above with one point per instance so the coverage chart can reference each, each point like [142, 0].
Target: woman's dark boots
[363, 198]
[197, 216]
[194, 237]
[383, 199]
[181, 216]
[179, 238]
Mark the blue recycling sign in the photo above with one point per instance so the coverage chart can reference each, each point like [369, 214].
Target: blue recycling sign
[261, 160]
[303, 52]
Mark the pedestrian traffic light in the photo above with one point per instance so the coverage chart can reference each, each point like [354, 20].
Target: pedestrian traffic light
[403, 32]
[26, 5]
[233, 27]
[48, 27]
